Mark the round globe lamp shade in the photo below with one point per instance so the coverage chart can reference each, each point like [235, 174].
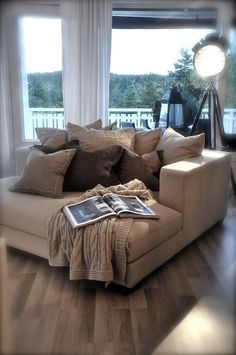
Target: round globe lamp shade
[209, 61]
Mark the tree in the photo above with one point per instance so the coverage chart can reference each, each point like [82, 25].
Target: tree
[185, 78]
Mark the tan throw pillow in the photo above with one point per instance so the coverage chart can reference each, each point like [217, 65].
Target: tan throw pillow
[54, 137]
[95, 125]
[44, 173]
[144, 168]
[111, 127]
[51, 137]
[91, 139]
[146, 141]
[177, 147]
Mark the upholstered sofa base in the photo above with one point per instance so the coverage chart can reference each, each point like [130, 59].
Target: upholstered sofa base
[193, 197]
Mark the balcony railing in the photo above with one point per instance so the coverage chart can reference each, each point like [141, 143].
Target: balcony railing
[54, 117]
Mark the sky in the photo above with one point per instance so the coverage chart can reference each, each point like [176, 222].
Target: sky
[133, 51]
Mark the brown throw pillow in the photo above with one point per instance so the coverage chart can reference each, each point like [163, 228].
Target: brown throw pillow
[49, 150]
[44, 174]
[88, 169]
[146, 141]
[144, 168]
[91, 139]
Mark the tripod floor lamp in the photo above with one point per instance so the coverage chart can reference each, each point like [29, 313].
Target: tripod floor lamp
[210, 60]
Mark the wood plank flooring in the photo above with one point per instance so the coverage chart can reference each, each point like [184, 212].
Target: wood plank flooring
[187, 306]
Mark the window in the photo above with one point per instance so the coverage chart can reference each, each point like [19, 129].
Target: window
[152, 50]
[41, 60]
[230, 97]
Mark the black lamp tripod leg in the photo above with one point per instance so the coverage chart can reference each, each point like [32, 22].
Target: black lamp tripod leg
[199, 112]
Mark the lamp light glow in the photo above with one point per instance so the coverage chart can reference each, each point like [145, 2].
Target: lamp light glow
[210, 56]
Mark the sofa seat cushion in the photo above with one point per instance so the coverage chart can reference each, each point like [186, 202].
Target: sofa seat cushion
[27, 212]
[147, 234]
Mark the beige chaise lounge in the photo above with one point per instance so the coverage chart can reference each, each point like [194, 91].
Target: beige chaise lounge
[192, 198]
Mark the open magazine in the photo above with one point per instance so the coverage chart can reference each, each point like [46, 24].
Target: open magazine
[96, 208]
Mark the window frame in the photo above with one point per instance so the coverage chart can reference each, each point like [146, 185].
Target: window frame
[16, 12]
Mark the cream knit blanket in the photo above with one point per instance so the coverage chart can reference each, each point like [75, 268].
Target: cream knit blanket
[96, 251]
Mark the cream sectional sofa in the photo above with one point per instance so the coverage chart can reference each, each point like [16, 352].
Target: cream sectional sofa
[193, 197]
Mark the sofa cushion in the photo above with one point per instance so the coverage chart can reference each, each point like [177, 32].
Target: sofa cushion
[148, 234]
[177, 147]
[43, 174]
[87, 169]
[144, 235]
[145, 168]
[91, 139]
[29, 213]
[146, 141]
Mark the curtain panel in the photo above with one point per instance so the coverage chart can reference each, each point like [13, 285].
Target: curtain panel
[86, 43]
[7, 144]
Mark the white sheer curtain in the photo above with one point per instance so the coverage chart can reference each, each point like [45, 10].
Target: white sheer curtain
[86, 41]
[7, 146]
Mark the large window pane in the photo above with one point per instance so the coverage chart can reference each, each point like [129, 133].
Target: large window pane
[145, 63]
[230, 98]
[42, 74]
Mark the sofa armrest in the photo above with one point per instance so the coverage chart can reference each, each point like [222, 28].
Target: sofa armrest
[198, 188]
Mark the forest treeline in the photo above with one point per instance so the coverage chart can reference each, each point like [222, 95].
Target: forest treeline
[139, 91]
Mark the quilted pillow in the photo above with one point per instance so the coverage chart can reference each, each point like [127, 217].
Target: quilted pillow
[88, 169]
[43, 174]
[144, 168]
[146, 141]
[91, 139]
[177, 147]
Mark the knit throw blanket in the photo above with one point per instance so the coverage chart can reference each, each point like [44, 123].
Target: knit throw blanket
[96, 251]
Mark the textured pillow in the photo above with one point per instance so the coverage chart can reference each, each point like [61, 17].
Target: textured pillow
[91, 139]
[44, 174]
[49, 150]
[144, 168]
[146, 141]
[88, 169]
[110, 127]
[51, 137]
[54, 137]
[177, 147]
[95, 125]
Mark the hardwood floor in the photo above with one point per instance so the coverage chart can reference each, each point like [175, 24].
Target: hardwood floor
[185, 307]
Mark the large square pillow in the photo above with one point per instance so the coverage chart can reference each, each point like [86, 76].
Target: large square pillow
[51, 137]
[146, 141]
[177, 147]
[91, 139]
[43, 174]
[144, 168]
[88, 169]
[54, 137]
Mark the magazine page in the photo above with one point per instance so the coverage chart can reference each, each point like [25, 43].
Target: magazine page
[88, 211]
[129, 204]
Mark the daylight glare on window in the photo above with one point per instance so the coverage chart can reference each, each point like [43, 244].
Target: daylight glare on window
[42, 74]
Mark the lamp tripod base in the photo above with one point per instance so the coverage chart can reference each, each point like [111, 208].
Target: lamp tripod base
[214, 118]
